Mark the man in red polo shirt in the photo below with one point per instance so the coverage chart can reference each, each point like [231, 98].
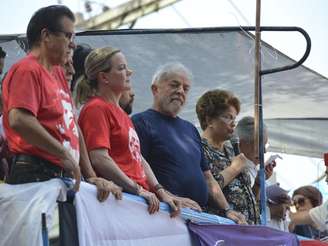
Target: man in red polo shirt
[39, 116]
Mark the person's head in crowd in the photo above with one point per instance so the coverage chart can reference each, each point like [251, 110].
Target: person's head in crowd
[2, 59]
[107, 72]
[217, 111]
[80, 54]
[170, 86]
[278, 201]
[82, 91]
[79, 86]
[306, 197]
[245, 132]
[50, 34]
[126, 101]
[69, 69]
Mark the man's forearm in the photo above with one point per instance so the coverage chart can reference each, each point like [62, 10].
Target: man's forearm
[85, 164]
[30, 129]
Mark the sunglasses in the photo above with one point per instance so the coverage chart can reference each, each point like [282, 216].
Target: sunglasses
[300, 201]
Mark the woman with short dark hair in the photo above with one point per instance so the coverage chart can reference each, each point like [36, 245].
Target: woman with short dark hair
[217, 111]
[307, 195]
[305, 198]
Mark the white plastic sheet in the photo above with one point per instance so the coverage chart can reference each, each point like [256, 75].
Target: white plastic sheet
[125, 222]
[21, 207]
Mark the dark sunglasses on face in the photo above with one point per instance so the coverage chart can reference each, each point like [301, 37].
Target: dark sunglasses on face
[299, 201]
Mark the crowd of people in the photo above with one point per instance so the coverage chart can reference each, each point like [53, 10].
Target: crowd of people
[75, 123]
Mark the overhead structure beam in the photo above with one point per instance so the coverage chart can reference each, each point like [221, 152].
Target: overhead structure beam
[123, 14]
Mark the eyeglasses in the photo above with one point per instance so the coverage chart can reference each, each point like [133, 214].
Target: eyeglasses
[70, 36]
[299, 201]
[228, 119]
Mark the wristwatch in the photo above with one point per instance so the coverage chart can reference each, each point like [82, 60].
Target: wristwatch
[157, 188]
[139, 189]
[227, 210]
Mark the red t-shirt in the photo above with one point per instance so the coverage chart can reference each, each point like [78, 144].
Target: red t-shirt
[28, 85]
[105, 125]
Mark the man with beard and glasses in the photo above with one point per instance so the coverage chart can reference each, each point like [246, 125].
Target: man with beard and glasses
[172, 146]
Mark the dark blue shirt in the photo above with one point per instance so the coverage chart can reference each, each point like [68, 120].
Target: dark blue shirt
[172, 147]
[307, 231]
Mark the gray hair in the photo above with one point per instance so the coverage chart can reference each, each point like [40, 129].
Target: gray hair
[245, 129]
[168, 69]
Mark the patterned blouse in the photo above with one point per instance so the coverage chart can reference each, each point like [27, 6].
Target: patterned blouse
[238, 192]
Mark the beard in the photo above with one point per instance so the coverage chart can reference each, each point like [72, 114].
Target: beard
[171, 107]
[128, 108]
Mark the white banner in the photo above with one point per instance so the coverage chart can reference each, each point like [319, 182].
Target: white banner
[113, 222]
[21, 207]
[125, 222]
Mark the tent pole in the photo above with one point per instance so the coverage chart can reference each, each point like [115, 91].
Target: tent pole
[258, 123]
[45, 237]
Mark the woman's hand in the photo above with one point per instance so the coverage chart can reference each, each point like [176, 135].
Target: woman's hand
[153, 202]
[188, 203]
[171, 200]
[269, 169]
[238, 163]
[105, 187]
[237, 217]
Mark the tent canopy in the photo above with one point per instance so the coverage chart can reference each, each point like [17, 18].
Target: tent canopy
[294, 102]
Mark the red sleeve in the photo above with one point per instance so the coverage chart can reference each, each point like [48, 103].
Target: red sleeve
[24, 90]
[95, 128]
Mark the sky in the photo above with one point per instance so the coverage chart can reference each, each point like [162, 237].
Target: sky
[310, 15]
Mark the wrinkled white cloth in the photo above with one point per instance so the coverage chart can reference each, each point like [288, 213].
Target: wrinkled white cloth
[125, 222]
[281, 224]
[251, 169]
[319, 215]
[21, 207]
